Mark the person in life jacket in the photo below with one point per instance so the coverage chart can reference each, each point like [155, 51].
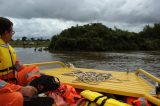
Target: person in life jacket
[14, 77]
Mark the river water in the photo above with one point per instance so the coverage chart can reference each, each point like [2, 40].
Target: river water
[122, 61]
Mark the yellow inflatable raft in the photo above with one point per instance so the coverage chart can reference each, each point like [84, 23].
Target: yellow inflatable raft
[121, 83]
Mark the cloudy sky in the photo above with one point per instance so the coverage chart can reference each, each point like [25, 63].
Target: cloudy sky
[45, 18]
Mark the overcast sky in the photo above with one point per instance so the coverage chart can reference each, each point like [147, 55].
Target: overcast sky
[50, 17]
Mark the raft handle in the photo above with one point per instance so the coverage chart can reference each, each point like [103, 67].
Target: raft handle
[49, 63]
[147, 75]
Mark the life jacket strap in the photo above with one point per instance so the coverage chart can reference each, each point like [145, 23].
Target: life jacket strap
[6, 69]
[103, 102]
[4, 45]
[96, 99]
[13, 80]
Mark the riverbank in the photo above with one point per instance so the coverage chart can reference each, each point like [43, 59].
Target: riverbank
[30, 44]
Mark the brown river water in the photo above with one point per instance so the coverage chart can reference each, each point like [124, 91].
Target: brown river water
[121, 61]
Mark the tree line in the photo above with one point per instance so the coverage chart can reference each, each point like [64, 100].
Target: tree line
[30, 42]
[98, 37]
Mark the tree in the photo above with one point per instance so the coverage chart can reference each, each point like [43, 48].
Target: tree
[24, 41]
[32, 39]
[98, 37]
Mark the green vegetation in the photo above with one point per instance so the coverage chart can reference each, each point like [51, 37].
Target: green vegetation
[97, 37]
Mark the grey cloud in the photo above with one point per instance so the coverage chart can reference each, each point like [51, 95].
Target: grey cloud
[139, 11]
[62, 9]
[38, 27]
[49, 17]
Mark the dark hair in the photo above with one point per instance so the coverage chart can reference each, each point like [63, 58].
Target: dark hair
[5, 25]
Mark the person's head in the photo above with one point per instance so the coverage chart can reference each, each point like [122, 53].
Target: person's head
[6, 29]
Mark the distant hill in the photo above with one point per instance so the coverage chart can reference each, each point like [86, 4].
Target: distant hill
[98, 37]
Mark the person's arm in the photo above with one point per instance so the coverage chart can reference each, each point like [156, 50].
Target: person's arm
[19, 67]
[7, 87]
[26, 91]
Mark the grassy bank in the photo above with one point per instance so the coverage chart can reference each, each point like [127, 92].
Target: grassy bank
[35, 44]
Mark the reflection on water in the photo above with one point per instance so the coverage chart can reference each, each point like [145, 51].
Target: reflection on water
[121, 61]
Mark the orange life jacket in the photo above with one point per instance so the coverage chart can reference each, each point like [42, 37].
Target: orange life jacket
[141, 101]
[130, 100]
[69, 93]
